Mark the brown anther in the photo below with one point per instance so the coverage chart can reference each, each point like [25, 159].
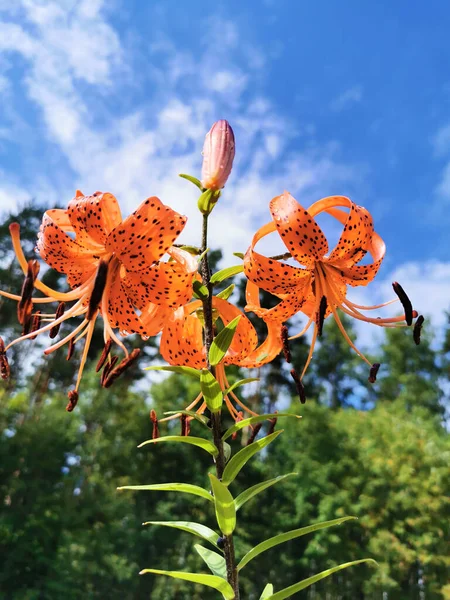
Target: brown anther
[285, 342]
[299, 385]
[59, 313]
[321, 315]
[254, 433]
[373, 372]
[272, 422]
[98, 289]
[108, 368]
[185, 425]
[154, 420]
[73, 399]
[36, 323]
[406, 302]
[121, 367]
[418, 329]
[103, 356]
[4, 365]
[70, 349]
[28, 322]
[25, 305]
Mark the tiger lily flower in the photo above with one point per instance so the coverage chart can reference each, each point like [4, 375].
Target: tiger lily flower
[114, 268]
[319, 287]
[182, 345]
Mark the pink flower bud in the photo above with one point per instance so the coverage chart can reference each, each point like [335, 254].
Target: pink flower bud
[218, 155]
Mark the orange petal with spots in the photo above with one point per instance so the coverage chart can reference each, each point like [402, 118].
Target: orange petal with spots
[267, 351]
[285, 309]
[182, 339]
[245, 338]
[94, 217]
[364, 274]
[300, 233]
[154, 318]
[121, 312]
[146, 235]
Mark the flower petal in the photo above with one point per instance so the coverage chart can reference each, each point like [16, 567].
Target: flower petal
[272, 275]
[93, 217]
[364, 274]
[245, 338]
[182, 338]
[268, 350]
[146, 235]
[300, 233]
[121, 312]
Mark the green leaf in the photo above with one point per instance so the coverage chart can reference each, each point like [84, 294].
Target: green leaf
[225, 511]
[297, 587]
[200, 290]
[285, 537]
[196, 528]
[207, 201]
[185, 439]
[211, 390]
[193, 180]
[239, 383]
[183, 370]
[222, 342]
[252, 420]
[238, 254]
[186, 488]
[243, 456]
[203, 420]
[249, 493]
[216, 562]
[267, 592]
[226, 293]
[209, 580]
[226, 451]
[226, 273]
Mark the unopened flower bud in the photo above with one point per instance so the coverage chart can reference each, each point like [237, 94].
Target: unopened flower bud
[218, 155]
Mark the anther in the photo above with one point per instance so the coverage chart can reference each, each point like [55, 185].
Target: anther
[4, 365]
[121, 367]
[373, 372]
[98, 289]
[255, 432]
[107, 370]
[70, 349]
[406, 302]
[59, 313]
[321, 316]
[154, 420]
[36, 323]
[185, 425]
[272, 422]
[285, 342]
[25, 306]
[73, 399]
[418, 329]
[104, 355]
[299, 385]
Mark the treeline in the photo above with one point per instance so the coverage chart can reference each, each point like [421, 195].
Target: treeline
[379, 453]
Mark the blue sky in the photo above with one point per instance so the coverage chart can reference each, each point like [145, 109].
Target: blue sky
[325, 98]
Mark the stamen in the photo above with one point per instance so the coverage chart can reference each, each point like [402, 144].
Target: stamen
[36, 323]
[373, 372]
[406, 302]
[4, 365]
[25, 306]
[68, 338]
[185, 425]
[285, 341]
[272, 422]
[321, 316]
[104, 356]
[73, 399]
[256, 430]
[71, 349]
[299, 385]
[107, 370]
[98, 289]
[121, 367]
[154, 419]
[418, 329]
[59, 313]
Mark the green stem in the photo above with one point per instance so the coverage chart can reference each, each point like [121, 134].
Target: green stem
[216, 418]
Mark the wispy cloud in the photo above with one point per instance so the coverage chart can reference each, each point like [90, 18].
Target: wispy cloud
[349, 97]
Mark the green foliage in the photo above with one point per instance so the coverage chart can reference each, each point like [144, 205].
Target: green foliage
[211, 391]
[222, 342]
[224, 503]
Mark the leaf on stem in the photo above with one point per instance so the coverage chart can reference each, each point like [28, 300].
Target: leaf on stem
[226, 293]
[212, 581]
[190, 371]
[226, 273]
[216, 562]
[195, 528]
[222, 342]
[186, 488]
[185, 439]
[249, 493]
[251, 420]
[225, 510]
[193, 180]
[267, 592]
[190, 413]
[211, 390]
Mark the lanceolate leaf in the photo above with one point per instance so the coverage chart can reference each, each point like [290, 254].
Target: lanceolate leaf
[215, 562]
[252, 420]
[226, 273]
[212, 581]
[301, 585]
[203, 420]
[225, 511]
[196, 528]
[239, 383]
[256, 489]
[185, 439]
[200, 290]
[211, 390]
[222, 342]
[191, 372]
[267, 592]
[285, 537]
[193, 180]
[187, 488]
[226, 293]
[240, 459]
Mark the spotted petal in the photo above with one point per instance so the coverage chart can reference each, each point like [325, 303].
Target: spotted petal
[182, 338]
[93, 217]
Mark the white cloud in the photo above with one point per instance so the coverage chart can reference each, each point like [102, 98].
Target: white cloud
[351, 96]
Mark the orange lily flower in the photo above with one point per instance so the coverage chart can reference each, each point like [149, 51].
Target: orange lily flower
[319, 287]
[182, 345]
[114, 268]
